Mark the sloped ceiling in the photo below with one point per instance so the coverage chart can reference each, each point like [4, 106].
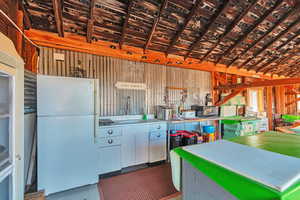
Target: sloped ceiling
[261, 35]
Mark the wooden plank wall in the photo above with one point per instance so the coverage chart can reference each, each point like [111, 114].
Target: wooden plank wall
[283, 98]
[110, 70]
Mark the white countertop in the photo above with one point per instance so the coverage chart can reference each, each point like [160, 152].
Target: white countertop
[271, 169]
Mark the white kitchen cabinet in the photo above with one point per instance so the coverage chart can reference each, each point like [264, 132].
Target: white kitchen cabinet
[108, 142]
[158, 146]
[128, 147]
[135, 142]
[141, 147]
[109, 159]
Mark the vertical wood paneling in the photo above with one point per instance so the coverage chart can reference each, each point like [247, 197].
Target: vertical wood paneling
[111, 70]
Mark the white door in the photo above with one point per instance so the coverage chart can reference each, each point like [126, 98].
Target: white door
[67, 155]
[64, 96]
[141, 145]
[128, 147]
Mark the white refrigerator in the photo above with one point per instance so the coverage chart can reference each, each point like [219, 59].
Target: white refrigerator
[67, 111]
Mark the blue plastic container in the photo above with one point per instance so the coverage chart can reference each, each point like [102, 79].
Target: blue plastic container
[209, 129]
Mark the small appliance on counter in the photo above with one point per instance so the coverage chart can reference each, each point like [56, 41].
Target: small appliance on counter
[188, 114]
[163, 113]
[206, 111]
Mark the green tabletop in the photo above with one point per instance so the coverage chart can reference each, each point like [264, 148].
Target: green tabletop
[287, 144]
[243, 187]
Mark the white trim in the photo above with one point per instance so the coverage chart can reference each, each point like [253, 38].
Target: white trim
[6, 172]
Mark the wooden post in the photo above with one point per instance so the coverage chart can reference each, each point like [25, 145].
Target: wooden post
[19, 39]
[270, 106]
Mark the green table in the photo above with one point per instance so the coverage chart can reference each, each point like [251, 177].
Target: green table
[243, 187]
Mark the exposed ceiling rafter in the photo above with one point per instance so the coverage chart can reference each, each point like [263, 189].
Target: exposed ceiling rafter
[265, 35]
[207, 27]
[286, 70]
[289, 71]
[244, 36]
[292, 54]
[295, 23]
[156, 21]
[129, 9]
[281, 54]
[57, 9]
[265, 83]
[229, 28]
[183, 27]
[90, 25]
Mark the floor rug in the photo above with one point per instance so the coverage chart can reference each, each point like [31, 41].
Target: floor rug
[151, 183]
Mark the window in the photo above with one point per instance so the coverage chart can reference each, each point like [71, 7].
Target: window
[255, 100]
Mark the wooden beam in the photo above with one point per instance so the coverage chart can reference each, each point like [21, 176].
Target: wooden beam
[230, 27]
[131, 2]
[214, 83]
[265, 34]
[90, 25]
[27, 21]
[57, 9]
[19, 36]
[156, 21]
[277, 82]
[270, 106]
[289, 67]
[292, 102]
[278, 48]
[228, 97]
[207, 27]
[183, 27]
[264, 68]
[294, 24]
[90, 30]
[245, 35]
[78, 43]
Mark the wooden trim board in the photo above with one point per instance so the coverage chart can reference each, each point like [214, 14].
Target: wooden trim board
[78, 43]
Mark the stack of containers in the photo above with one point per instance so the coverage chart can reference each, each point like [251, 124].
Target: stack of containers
[209, 133]
[234, 128]
[182, 138]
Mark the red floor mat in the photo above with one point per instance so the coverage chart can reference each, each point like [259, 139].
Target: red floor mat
[147, 184]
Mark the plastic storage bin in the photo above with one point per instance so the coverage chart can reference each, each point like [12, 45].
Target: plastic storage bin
[175, 140]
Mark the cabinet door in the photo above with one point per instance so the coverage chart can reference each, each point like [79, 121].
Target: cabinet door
[157, 147]
[128, 147]
[109, 159]
[142, 147]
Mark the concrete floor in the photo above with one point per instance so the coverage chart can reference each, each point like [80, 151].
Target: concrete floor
[89, 192]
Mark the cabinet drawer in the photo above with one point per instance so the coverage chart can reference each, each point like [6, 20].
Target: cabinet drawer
[158, 126]
[108, 141]
[109, 132]
[158, 135]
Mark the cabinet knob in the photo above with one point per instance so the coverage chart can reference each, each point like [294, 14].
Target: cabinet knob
[110, 132]
[110, 141]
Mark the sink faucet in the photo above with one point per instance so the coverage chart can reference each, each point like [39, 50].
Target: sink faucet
[127, 107]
